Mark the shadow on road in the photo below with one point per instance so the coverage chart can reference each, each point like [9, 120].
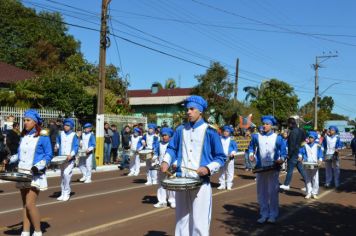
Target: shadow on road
[156, 233]
[16, 229]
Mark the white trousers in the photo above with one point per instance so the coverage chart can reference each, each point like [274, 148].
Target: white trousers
[66, 175]
[162, 193]
[267, 193]
[193, 211]
[312, 181]
[151, 174]
[85, 166]
[135, 164]
[227, 174]
[332, 168]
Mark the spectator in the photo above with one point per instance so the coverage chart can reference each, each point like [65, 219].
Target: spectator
[353, 146]
[53, 133]
[115, 143]
[107, 143]
[126, 144]
[13, 138]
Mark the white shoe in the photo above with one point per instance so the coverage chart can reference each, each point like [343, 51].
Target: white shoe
[307, 196]
[271, 220]
[37, 233]
[315, 196]
[229, 188]
[130, 174]
[25, 233]
[160, 205]
[148, 183]
[65, 198]
[60, 198]
[284, 187]
[154, 182]
[88, 181]
[221, 187]
[262, 220]
[173, 205]
[136, 174]
[82, 179]
[304, 189]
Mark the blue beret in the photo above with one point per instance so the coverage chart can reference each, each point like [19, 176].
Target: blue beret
[69, 122]
[269, 120]
[152, 126]
[333, 127]
[197, 102]
[137, 130]
[88, 125]
[167, 131]
[33, 114]
[228, 128]
[313, 134]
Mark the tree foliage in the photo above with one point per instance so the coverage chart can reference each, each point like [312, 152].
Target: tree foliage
[216, 88]
[170, 84]
[65, 80]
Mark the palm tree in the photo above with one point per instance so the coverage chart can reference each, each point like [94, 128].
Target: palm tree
[170, 84]
[255, 92]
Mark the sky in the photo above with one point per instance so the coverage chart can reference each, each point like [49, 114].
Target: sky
[272, 39]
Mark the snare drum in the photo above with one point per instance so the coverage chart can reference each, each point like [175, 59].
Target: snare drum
[329, 157]
[310, 165]
[82, 153]
[59, 160]
[264, 169]
[145, 154]
[16, 176]
[181, 183]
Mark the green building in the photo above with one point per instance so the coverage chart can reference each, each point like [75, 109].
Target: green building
[161, 106]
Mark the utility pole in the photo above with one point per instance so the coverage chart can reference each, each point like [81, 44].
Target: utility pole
[236, 79]
[101, 85]
[316, 66]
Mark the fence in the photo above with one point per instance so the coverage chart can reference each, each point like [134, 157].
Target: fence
[17, 113]
[122, 121]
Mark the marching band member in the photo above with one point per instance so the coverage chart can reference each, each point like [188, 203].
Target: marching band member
[34, 153]
[88, 145]
[311, 152]
[197, 146]
[159, 152]
[67, 144]
[271, 150]
[149, 141]
[230, 150]
[332, 146]
[135, 146]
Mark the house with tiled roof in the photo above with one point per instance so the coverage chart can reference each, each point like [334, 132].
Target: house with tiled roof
[162, 103]
[10, 74]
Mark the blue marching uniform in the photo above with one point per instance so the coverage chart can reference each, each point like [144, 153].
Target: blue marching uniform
[135, 146]
[269, 148]
[149, 142]
[331, 145]
[88, 145]
[193, 146]
[68, 144]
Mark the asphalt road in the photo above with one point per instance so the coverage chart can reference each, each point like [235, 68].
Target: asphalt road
[115, 204]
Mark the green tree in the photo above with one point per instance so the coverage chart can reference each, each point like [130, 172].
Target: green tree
[255, 92]
[278, 99]
[216, 88]
[170, 84]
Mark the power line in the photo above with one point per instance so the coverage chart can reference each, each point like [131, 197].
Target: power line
[116, 44]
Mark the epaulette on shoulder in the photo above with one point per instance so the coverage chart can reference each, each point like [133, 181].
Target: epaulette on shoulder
[215, 127]
[44, 132]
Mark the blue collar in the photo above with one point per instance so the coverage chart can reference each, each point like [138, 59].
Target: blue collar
[164, 142]
[197, 123]
[32, 131]
[267, 134]
[70, 131]
[222, 136]
[311, 144]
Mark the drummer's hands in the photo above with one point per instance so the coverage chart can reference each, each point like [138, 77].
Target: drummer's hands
[320, 162]
[279, 161]
[252, 158]
[69, 157]
[203, 171]
[34, 170]
[5, 161]
[164, 167]
[299, 158]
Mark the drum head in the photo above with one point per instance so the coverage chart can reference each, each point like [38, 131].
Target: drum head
[15, 176]
[59, 159]
[181, 184]
[145, 152]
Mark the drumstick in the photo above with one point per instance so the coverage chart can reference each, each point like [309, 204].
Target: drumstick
[187, 168]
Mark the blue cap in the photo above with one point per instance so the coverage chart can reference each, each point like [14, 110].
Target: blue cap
[152, 126]
[333, 127]
[228, 128]
[137, 130]
[269, 120]
[69, 122]
[197, 102]
[88, 125]
[167, 131]
[313, 134]
[33, 115]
